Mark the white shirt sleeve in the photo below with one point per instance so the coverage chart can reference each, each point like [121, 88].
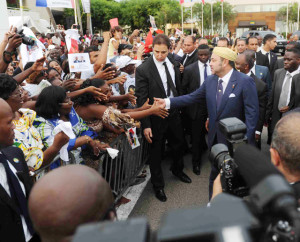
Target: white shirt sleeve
[168, 103]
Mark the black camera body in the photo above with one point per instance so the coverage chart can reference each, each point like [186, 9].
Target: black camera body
[99, 39]
[26, 40]
[222, 157]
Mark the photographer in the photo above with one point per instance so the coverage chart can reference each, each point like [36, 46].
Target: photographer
[284, 151]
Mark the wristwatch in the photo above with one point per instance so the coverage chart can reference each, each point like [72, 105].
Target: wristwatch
[7, 57]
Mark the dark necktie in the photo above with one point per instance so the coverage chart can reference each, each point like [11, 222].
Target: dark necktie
[170, 84]
[219, 93]
[205, 71]
[16, 193]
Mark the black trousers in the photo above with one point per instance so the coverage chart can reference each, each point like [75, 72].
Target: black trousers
[173, 133]
[213, 174]
[198, 140]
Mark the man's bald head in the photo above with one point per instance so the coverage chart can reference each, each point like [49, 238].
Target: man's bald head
[6, 126]
[286, 141]
[66, 198]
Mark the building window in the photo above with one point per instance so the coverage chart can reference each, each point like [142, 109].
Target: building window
[12, 3]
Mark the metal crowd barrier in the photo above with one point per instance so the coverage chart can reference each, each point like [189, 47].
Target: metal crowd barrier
[122, 171]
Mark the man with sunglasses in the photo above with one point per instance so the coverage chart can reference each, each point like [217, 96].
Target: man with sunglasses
[67, 197]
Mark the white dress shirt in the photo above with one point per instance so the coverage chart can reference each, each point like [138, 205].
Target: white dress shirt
[188, 55]
[4, 184]
[201, 70]
[292, 74]
[162, 73]
[225, 79]
[253, 70]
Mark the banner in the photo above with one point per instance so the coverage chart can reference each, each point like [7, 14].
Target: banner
[79, 62]
[152, 21]
[34, 52]
[86, 5]
[114, 22]
[55, 3]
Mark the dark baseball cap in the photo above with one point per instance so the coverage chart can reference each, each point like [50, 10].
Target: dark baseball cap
[123, 47]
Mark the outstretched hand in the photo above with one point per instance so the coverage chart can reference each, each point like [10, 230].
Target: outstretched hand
[38, 65]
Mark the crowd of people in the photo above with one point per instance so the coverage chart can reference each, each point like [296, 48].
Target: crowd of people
[174, 88]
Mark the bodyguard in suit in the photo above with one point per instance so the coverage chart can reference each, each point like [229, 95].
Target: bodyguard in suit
[15, 184]
[281, 89]
[244, 63]
[159, 77]
[252, 44]
[190, 50]
[193, 77]
[228, 93]
[270, 43]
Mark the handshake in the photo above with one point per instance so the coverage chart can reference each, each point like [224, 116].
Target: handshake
[160, 102]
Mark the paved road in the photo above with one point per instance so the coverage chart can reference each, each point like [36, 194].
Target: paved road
[180, 195]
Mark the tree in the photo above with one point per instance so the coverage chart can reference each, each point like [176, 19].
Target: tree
[228, 15]
[134, 13]
[293, 14]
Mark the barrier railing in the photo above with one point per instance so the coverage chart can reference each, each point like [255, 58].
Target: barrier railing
[122, 171]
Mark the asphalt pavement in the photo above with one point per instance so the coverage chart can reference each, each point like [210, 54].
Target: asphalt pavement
[180, 195]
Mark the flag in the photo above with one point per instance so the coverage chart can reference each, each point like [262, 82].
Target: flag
[71, 38]
[179, 32]
[222, 1]
[55, 3]
[181, 1]
[203, 1]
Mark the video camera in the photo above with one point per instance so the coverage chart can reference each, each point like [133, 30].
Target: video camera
[26, 40]
[222, 156]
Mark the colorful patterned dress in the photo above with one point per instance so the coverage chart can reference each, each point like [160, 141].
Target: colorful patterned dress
[28, 139]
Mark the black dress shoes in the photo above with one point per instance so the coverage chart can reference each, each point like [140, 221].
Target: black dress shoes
[160, 195]
[197, 170]
[182, 176]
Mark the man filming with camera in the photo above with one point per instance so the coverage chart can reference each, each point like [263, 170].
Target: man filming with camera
[284, 151]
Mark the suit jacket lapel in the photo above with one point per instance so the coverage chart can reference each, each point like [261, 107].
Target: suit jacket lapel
[229, 89]
[7, 199]
[214, 93]
[156, 76]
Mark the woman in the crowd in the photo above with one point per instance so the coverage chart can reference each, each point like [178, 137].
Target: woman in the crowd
[27, 137]
[52, 106]
[98, 114]
[114, 42]
[56, 65]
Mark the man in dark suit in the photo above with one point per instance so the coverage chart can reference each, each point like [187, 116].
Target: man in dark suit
[244, 63]
[281, 89]
[190, 50]
[193, 77]
[270, 43]
[215, 39]
[159, 77]
[15, 184]
[228, 93]
[252, 44]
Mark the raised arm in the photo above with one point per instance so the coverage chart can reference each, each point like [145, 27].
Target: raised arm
[101, 59]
